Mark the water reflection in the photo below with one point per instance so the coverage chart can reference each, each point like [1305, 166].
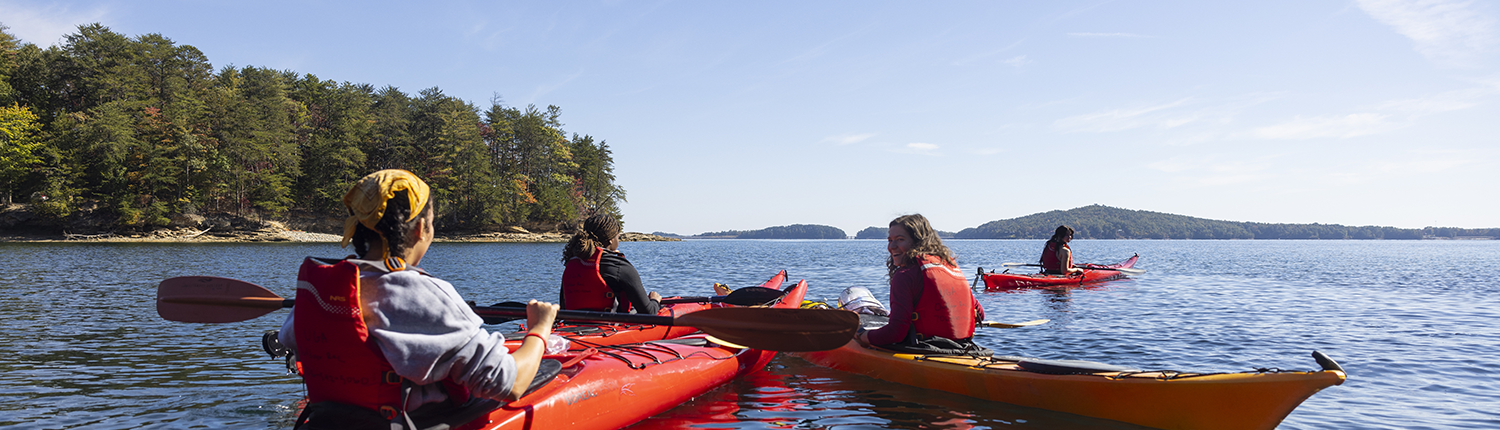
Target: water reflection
[84, 346]
[793, 394]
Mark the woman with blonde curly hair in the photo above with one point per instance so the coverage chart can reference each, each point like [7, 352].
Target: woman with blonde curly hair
[932, 308]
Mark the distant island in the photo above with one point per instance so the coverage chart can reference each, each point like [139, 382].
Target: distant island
[794, 231]
[1104, 222]
[880, 233]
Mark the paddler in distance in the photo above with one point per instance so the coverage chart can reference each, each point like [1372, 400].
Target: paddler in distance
[932, 309]
[377, 337]
[596, 275]
[1057, 257]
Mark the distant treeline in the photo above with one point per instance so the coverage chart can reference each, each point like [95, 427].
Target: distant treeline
[1103, 222]
[142, 129]
[880, 233]
[795, 231]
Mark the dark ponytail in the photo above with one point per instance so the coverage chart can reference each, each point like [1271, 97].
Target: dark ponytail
[391, 226]
[593, 232]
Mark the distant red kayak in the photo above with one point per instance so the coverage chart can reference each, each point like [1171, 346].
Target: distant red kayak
[1091, 273]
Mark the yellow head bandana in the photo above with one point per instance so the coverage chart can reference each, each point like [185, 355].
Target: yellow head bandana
[366, 201]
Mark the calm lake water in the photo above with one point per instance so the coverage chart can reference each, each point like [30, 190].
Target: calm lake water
[1415, 323]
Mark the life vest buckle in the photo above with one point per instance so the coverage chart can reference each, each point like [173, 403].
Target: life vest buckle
[392, 378]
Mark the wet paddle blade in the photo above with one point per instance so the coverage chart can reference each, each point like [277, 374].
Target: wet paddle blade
[748, 296]
[1126, 270]
[997, 324]
[209, 299]
[776, 329]
[753, 296]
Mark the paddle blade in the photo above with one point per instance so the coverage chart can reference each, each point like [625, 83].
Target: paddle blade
[753, 296]
[776, 329]
[997, 324]
[748, 296]
[1015, 265]
[209, 299]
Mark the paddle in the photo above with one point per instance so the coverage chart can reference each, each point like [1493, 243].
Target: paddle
[997, 324]
[205, 299]
[871, 322]
[1126, 270]
[748, 296]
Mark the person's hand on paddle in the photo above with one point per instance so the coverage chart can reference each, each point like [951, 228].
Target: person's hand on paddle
[539, 317]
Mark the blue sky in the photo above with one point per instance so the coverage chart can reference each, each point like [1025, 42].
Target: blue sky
[849, 113]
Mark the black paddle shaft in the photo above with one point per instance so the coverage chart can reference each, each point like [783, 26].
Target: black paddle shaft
[490, 311]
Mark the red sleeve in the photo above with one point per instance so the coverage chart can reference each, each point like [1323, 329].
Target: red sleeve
[905, 284]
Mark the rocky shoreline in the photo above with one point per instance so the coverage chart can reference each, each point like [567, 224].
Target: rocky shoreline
[19, 224]
[196, 236]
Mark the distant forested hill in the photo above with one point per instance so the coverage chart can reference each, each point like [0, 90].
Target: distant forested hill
[1104, 222]
[880, 233]
[794, 231]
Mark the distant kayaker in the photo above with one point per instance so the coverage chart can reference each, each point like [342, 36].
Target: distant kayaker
[1057, 257]
[597, 277]
[377, 337]
[932, 308]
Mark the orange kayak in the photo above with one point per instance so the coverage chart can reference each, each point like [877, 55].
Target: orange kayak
[1161, 399]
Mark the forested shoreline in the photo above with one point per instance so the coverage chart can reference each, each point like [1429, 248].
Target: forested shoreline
[143, 133]
[1104, 222]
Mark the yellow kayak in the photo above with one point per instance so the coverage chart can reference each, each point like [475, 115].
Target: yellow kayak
[1161, 399]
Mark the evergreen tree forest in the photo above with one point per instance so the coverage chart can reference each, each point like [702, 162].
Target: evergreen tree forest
[794, 231]
[141, 129]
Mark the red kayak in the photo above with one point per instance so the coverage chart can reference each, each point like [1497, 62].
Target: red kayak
[614, 334]
[612, 386]
[1091, 274]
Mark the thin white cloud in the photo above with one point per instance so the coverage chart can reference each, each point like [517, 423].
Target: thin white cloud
[1377, 118]
[1445, 31]
[1126, 119]
[1018, 61]
[544, 89]
[1439, 103]
[1210, 171]
[983, 55]
[1127, 35]
[922, 147]
[848, 139]
[1410, 163]
[1329, 126]
[46, 26]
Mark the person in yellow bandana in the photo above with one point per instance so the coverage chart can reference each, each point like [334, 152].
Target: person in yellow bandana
[377, 337]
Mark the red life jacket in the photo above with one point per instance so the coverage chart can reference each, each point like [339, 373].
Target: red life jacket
[1050, 263]
[946, 307]
[339, 361]
[583, 287]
